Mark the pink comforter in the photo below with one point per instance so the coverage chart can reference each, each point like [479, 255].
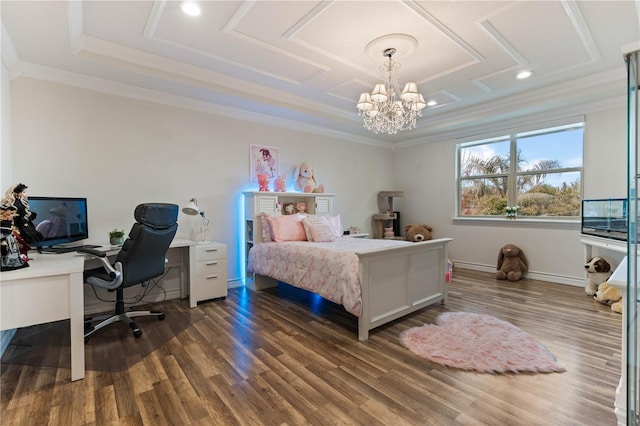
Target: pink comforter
[327, 269]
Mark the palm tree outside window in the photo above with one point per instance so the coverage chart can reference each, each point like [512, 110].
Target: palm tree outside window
[539, 172]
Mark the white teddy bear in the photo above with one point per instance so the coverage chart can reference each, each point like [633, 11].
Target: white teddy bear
[306, 179]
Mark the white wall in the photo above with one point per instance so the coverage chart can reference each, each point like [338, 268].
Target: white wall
[5, 163]
[427, 175]
[5, 131]
[119, 152]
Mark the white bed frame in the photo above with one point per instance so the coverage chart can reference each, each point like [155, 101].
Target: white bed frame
[395, 281]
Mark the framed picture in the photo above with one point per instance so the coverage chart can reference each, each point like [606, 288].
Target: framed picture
[264, 159]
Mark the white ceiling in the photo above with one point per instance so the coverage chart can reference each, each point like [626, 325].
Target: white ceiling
[303, 64]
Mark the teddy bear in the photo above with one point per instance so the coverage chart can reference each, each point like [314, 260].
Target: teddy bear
[306, 178]
[512, 263]
[598, 271]
[417, 233]
[609, 295]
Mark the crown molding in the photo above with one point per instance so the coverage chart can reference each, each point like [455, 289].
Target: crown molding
[54, 75]
[523, 119]
[9, 55]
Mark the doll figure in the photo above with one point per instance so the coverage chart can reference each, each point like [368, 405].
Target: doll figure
[263, 181]
[16, 196]
[301, 207]
[280, 184]
[289, 208]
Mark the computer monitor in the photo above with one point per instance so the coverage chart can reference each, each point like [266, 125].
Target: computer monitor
[61, 220]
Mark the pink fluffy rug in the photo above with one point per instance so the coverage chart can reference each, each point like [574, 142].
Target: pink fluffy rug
[479, 342]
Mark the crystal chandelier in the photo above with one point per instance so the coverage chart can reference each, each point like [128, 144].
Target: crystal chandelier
[382, 111]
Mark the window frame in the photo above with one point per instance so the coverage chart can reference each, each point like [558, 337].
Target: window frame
[511, 136]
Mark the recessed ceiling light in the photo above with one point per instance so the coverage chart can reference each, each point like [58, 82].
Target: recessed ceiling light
[524, 74]
[190, 8]
[432, 103]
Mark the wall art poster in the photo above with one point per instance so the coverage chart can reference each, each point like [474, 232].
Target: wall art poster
[264, 159]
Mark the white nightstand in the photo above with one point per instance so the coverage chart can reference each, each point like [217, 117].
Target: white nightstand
[208, 278]
[361, 235]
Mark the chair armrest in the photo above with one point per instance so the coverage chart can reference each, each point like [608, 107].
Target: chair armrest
[92, 252]
[101, 256]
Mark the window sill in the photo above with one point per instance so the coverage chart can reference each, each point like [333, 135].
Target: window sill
[568, 224]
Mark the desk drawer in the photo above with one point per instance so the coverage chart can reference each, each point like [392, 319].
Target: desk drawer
[211, 251]
[212, 266]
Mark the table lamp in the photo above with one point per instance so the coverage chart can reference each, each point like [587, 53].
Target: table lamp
[192, 209]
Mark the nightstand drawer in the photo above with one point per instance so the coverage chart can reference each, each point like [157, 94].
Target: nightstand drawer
[211, 251]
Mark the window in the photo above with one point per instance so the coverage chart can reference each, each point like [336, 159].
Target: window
[538, 171]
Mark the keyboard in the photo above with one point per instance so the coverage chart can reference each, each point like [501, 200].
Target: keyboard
[66, 249]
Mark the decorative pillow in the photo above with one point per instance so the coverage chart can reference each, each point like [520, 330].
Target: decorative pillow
[336, 225]
[267, 236]
[309, 221]
[287, 228]
[322, 233]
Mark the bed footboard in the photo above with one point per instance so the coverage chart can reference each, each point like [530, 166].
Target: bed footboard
[398, 281]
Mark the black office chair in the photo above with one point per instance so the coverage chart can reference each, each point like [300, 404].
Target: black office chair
[142, 257]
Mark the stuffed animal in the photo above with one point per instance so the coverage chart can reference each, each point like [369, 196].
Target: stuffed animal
[289, 208]
[263, 181]
[301, 207]
[609, 295]
[280, 184]
[512, 263]
[306, 178]
[598, 271]
[417, 233]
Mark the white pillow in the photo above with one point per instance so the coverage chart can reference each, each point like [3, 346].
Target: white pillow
[267, 235]
[322, 233]
[336, 225]
[310, 220]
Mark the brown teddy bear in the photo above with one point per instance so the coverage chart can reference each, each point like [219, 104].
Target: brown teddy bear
[512, 263]
[609, 295]
[418, 233]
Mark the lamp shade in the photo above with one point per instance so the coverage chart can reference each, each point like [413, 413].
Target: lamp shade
[420, 104]
[379, 93]
[192, 208]
[410, 92]
[364, 103]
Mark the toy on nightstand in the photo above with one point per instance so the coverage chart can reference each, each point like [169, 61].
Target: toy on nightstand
[289, 208]
[280, 184]
[301, 207]
[263, 181]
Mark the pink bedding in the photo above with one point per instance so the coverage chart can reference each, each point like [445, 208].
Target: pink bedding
[329, 269]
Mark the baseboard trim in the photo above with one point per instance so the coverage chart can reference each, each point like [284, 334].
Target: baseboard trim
[535, 275]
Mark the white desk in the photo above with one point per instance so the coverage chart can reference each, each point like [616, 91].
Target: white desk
[51, 289]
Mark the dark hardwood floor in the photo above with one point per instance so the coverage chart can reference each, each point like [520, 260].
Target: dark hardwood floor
[287, 357]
